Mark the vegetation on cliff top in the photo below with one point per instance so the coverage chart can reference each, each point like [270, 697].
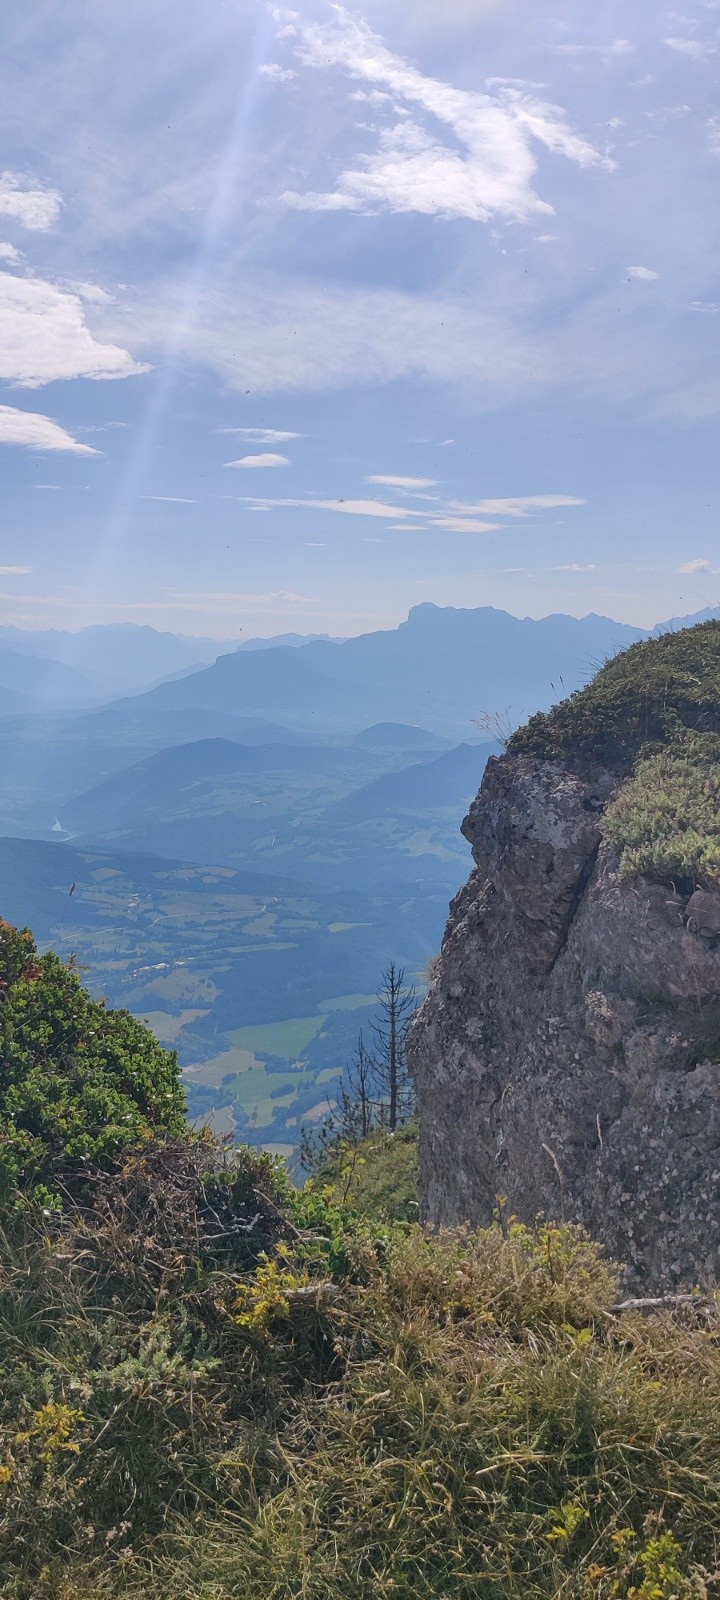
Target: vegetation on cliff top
[665, 823]
[653, 693]
[213, 1385]
[652, 715]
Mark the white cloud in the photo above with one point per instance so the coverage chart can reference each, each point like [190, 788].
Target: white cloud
[9, 253]
[14, 572]
[278, 74]
[413, 170]
[575, 566]
[701, 564]
[695, 49]
[645, 274]
[44, 336]
[262, 435]
[464, 525]
[349, 508]
[401, 483]
[37, 432]
[171, 499]
[616, 47]
[35, 208]
[519, 505]
[360, 508]
[266, 460]
[452, 518]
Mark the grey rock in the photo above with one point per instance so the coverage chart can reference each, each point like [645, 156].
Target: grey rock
[702, 913]
[567, 1056]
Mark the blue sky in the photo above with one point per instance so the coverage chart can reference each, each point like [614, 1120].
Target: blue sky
[310, 314]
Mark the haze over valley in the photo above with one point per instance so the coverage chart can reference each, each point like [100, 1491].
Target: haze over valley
[236, 849]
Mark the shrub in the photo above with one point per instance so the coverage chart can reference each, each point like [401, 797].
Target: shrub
[665, 822]
[78, 1084]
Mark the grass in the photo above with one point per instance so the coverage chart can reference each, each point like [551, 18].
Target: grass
[347, 1002]
[286, 1039]
[653, 693]
[213, 1387]
[377, 1177]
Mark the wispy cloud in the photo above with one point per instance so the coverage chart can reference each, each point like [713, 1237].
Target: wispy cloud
[262, 435]
[695, 49]
[37, 432]
[701, 564]
[35, 208]
[15, 572]
[575, 566]
[645, 274]
[482, 168]
[171, 499]
[267, 460]
[401, 483]
[464, 525]
[278, 74]
[454, 517]
[520, 506]
[44, 336]
[616, 47]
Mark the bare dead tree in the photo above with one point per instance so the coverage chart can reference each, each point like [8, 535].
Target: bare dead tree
[392, 1073]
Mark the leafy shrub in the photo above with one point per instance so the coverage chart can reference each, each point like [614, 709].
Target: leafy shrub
[651, 693]
[665, 822]
[78, 1084]
[377, 1176]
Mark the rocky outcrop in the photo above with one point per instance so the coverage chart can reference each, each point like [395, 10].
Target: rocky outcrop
[567, 1056]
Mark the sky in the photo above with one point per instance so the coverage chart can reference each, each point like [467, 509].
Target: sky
[312, 314]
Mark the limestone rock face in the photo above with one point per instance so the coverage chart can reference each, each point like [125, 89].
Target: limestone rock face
[568, 1053]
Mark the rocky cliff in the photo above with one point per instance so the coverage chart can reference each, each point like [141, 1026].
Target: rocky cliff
[568, 1053]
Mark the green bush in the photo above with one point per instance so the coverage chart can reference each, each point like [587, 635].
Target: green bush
[665, 821]
[651, 693]
[376, 1177]
[78, 1084]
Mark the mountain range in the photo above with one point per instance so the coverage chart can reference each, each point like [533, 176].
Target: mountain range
[254, 836]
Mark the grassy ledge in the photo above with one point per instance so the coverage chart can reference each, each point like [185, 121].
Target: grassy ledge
[653, 693]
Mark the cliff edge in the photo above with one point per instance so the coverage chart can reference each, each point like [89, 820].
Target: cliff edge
[567, 1056]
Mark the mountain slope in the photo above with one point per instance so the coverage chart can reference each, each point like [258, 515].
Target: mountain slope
[32, 683]
[129, 656]
[442, 669]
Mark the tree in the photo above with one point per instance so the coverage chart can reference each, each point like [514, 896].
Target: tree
[357, 1094]
[376, 1088]
[78, 1084]
[392, 1073]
